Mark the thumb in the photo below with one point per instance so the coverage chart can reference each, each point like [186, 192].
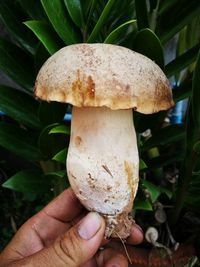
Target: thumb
[76, 246]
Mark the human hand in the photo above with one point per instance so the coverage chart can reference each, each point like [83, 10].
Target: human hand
[63, 234]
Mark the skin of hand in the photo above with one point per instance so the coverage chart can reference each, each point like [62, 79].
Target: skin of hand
[64, 234]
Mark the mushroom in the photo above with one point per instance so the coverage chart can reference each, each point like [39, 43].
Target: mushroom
[104, 83]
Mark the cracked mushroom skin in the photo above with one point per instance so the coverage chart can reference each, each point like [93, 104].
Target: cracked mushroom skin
[104, 83]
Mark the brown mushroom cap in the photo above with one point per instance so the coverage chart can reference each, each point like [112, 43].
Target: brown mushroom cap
[95, 75]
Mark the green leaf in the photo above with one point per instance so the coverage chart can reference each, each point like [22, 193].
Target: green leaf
[192, 32]
[45, 34]
[142, 204]
[75, 11]
[61, 22]
[181, 47]
[103, 17]
[156, 191]
[88, 8]
[52, 112]
[50, 144]
[60, 173]
[152, 189]
[17, 64]
[33, 9]
[61, 156]
[141, 14]
[192, 199]
[19, 106]
[148, 44]
[40, 57]
[196, 169]
[29, 181]
[170, 21]
[183, 91]
[19, 141]
[166, 135]
[121, 12]
[182, 61]
[191, 130]
[166, 159]
[181, 43]
[196, 173]
[165, 5]
[167, 192]
[196, 94]
[142, 165]
[60, 129]
[114, 36]
[196, 147]
[153, 4]
[11, 17]
[59, 181]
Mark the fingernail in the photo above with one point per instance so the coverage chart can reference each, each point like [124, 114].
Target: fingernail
[89, 226]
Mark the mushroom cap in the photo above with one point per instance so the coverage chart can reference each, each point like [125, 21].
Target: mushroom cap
[95, 75]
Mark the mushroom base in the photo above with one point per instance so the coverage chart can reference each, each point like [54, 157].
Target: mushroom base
[102, 165]
[118, 226]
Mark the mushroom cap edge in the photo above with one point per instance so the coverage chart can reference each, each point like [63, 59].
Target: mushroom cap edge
[95, 75]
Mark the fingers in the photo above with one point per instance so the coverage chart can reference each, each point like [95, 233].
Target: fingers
[75, 247]
[64, 207]
[44, 227]
[111, 258]
[56, 214]
[136, 236]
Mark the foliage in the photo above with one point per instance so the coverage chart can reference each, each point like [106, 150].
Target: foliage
[35, 131]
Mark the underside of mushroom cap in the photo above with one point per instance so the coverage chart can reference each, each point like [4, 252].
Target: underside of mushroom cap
[95, 75]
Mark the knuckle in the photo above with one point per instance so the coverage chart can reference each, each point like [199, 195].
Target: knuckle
[69, 250]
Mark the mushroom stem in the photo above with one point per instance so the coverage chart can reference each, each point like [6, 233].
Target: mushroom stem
[102, 164]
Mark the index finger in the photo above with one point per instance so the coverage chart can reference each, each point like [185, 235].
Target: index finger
[64, 207]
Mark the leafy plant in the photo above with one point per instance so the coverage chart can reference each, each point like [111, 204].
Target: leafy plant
[36, 133]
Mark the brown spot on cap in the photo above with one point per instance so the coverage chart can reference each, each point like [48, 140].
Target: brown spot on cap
[96, 75]
[77, 88]
[90, 87]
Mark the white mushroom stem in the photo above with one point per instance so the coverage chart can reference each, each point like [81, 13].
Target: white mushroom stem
[102, 164]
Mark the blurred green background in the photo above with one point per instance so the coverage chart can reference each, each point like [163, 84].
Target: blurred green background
[34, 136]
